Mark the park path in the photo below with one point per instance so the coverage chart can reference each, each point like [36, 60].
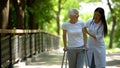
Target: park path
[53, 60]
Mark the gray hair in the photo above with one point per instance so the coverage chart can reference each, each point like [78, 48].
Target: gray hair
[72, 11]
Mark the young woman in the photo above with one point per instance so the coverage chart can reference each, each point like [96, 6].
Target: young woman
[74, 34]
[97, 29]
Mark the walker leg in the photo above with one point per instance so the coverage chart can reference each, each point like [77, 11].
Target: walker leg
[66, 62]
[63, 59]
[86, 58]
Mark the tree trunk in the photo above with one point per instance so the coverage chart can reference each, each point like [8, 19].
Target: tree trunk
[4, 12]
[113, 25]
[32, 24]
[58, 17]
[20, 13]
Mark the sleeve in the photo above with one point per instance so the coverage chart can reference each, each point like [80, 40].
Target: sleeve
[87, 24]
[64, 26]
[83, 24]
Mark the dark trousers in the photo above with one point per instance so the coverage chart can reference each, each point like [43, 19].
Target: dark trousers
[93, 62]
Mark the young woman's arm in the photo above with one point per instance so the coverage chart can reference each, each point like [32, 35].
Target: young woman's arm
[89, 33]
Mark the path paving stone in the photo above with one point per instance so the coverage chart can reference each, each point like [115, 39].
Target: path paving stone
[54, 59]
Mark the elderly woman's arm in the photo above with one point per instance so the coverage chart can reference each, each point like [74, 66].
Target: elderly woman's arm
[84, 37]
[64, 40]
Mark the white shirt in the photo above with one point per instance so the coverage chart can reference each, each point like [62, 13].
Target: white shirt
[74, 31]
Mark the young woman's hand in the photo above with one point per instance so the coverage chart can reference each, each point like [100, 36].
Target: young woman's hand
[93, 36]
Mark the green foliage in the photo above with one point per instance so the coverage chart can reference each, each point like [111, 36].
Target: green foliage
[89, 0]
[75, 4]
[26, 18]
[115, 1]
[109, 24]
[51, 27]
[43, 10]
[109, 18]
[116, 5]
[86, 16]
[113, 50]
[67, 5]
[106, 39]
[12, 17]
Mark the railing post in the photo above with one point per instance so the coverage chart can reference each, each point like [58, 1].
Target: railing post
[10, 39]
[25, 50]
[42, 41]
[0, 52]
[38, 42]
[35, 44]
[30, 45]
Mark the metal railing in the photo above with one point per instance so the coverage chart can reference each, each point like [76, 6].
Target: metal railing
[16, 45]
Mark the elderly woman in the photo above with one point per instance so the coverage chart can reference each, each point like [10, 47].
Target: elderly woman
[74, 34]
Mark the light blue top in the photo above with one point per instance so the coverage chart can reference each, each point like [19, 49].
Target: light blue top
[96, 46]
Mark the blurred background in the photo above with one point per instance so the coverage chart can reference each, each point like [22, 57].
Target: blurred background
[47, 16]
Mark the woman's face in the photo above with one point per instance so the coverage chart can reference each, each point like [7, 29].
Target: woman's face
[97, 17]
[74, 17]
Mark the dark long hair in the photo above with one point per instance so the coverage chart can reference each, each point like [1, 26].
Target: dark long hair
[101, 11]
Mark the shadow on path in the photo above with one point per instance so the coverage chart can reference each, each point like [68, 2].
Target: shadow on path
[47, 59]
[113, 59]
[54, 60]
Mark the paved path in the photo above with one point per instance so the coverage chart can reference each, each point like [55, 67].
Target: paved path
[53, 60]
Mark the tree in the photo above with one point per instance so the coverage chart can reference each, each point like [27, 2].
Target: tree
[4, 13]
[20, 12]
[115, 11]
[31, 15]
[117, 27]
[43, 10]
[113, 25]
[58, 16]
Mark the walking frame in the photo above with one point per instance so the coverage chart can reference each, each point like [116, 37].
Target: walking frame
[64, 59]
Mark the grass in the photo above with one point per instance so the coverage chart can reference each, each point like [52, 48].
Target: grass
[113, 50]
